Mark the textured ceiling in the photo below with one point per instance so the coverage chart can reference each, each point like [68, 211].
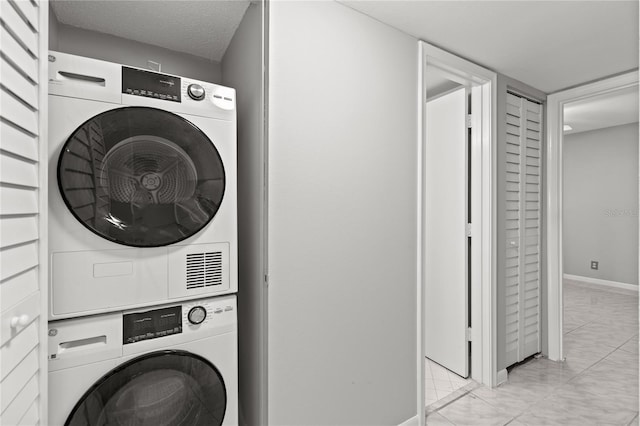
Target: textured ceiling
[550, 45]
[202, 28]
[611, 109]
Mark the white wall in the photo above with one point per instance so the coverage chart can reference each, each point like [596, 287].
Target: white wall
[92, 44]
[342, 217]
[600, 200]
[242, 69]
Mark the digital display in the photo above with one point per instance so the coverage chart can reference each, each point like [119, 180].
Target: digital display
[151, 324]
[151, 84]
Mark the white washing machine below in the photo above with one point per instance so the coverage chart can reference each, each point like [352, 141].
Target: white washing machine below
[169, 365]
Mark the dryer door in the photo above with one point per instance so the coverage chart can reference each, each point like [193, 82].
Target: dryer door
[167, 388]
[141, 177]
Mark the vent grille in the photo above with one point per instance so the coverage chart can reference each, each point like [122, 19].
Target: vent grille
[204, 269]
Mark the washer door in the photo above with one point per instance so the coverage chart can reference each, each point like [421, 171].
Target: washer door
[167, 388]
[141, 177]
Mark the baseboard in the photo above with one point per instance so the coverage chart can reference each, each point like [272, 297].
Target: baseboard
[598, 281]
[501, 377]
[413, 421]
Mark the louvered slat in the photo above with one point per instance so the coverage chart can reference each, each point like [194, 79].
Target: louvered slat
[32, 416]
[23, 33]
[17, 112]
[18, 84]
[18, 55]
[17, 142]
[28, 11]
[13, 354]
[18, 230]
[20, 405]
[17, 201]
[18, 288]
[15, 381]
[18, 259]
[17, 171]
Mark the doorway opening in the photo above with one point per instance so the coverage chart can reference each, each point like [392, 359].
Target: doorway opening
[448, 209]
[555, 206]
[456, 294]
[600, 221]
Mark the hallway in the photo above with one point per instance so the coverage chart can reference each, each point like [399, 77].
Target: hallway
[596, 385]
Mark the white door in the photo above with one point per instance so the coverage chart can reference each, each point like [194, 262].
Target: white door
[23, 259]
[446, 242]
[523, 213]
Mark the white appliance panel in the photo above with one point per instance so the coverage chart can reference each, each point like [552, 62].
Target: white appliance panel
[101, 280]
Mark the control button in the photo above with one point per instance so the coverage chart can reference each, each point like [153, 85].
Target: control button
[196, 315]
[136, 92]
[196, 92]
[217, 311]
[228, 308]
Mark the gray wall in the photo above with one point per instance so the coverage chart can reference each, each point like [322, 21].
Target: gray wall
[504, 84]
[92, 44]
[53, 30]
[600, 201]
[342, 218]
[242, 69]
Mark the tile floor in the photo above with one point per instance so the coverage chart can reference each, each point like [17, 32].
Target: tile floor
[596, 385]
[440, 383]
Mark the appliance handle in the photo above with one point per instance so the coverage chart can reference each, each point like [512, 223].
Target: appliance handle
[81, 344]
[81, 78]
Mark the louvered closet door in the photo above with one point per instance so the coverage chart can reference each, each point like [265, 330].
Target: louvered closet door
[523, 213]
[22, 273]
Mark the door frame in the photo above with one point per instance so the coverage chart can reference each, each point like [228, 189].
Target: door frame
[554, 210]
[483, 242]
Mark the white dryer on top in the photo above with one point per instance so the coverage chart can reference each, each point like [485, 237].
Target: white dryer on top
[142, 187]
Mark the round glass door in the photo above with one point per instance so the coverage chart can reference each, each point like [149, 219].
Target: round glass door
[167, 388]
[141, 177]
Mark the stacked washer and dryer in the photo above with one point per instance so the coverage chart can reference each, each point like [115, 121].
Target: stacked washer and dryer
[143, 247]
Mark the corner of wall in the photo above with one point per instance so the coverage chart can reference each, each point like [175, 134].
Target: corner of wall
[53, 29]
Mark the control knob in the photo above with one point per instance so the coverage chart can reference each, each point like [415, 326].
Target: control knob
[196, 92]
[196, 315]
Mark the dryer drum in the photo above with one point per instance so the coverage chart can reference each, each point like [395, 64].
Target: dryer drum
[149, 170]
[141, 177]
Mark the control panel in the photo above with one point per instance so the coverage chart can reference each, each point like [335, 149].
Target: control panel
[151, 324]
[190, 93]
[83, 340]
[138, 326]
[150, 84]
[201, 312]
